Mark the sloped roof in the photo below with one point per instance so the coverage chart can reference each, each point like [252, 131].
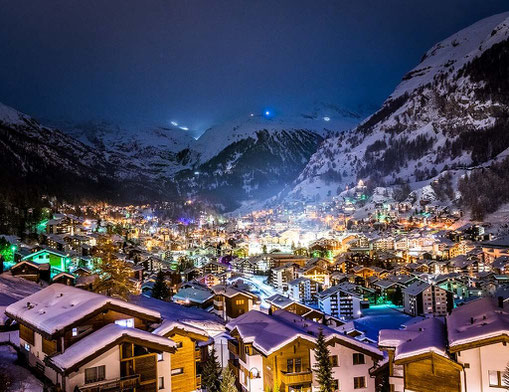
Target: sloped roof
[57, 306]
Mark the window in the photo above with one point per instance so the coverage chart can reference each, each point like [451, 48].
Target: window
[289, 365]
[495, 377]
[75, 332]
[129, 323]
[95, 374]
[239, 302]
[335, 385]
[359, 382]
[27, 347]
[176, 371]
[358, 359]
[334, 360]
[161, 383]
[178, 344]
[298, 365]
[159, 357]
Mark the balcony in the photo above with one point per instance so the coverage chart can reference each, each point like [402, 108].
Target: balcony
[197, 355]
[297, 378]
[116, 384]
[198, 381]
[233, 347]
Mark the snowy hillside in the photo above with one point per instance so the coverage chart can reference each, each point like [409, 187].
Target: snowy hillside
[322, 119]
[151, 151]
[451, 111]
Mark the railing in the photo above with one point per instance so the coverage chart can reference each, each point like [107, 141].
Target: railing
[197, 355]
[118, 384]
[198, 380]
[232, 347]
[295, 378]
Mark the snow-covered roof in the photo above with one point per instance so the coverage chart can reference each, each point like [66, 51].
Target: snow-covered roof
[476, 320]
[57, 306]
[268, 333]
[422, 337]
[101, 338]
[416, 288]
[170, 311]
[193, 294]
[169, 325]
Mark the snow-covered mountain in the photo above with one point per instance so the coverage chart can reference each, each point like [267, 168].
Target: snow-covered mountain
[451, 111]
[255, 157]
[155, 152]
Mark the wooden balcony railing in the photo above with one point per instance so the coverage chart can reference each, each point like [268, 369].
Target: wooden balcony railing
[233, 348]
[297, 378]
[115, 384]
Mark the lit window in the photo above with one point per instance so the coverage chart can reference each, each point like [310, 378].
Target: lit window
[174, 372]
[27, 347]
[359, 382]
[159, 356]
[75, 332]
[129, 323]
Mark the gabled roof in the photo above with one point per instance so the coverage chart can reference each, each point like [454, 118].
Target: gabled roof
[477, 320]
[57, 306]
[42, 266]
[425, 336]
[103, 339]
[169, 325]
[416, 288]
[46, 250]
[269, 333]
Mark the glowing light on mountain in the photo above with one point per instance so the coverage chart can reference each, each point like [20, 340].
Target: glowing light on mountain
[326, 118]
[174, 123]
[184, 128]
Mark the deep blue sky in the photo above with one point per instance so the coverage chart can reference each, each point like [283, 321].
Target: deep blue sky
[201, 61]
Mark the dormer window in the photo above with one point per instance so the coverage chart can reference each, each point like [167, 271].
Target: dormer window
[128, 323]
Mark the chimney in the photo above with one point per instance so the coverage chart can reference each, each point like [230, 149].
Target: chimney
[501, 302]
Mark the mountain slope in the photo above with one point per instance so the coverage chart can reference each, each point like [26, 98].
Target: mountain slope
[253, 158]
[38, 159]
[451, 111]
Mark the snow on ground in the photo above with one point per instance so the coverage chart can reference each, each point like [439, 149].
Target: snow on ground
[10, 337]
[20, 378]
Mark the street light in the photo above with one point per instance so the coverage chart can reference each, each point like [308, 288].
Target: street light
[257, 374]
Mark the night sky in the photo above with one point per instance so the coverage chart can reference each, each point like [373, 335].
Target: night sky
[201, 62]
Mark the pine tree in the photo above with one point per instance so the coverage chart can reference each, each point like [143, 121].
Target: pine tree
[114, 274]
[210, 374]
[227, 381]
[323, 367]
[160, 289]
[505, 377]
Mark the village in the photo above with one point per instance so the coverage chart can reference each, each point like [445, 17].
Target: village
[105, 297]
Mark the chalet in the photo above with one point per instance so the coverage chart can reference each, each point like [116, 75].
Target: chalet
[466, 352]
[191, 343]
[418, 358]
[281, 276]
[58, 261]
[31, 271]
[84, 341]
[231, 301]
[278, 350]
[316, 273]
[64, 278]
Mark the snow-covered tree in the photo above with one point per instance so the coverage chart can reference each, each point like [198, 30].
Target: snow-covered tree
[160, 289]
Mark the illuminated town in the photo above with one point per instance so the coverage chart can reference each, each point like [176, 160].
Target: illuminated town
[236, 196]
